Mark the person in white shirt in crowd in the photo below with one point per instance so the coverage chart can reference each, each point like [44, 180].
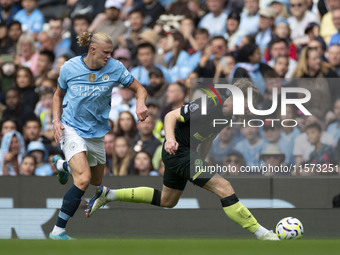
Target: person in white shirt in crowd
[250, 16]
[215, 20]
[299, 19]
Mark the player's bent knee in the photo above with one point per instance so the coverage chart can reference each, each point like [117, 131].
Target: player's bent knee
[169, 203]
[82, 181]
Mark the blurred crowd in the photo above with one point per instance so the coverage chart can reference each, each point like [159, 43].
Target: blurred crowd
[169, 46]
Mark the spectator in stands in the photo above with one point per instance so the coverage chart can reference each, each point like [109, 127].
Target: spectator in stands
[222, 145]
[44, 65]
[233, 34]
[14, 33]
[215, 20]
[234, 161]
[54, 73]
[281, 65]
[80, 24]
[264, 35]
[27, 54]
[201, 37]
[176, 58]
[251, 146]
[211, 56]
[142, 164]
[109, 140]
[250, 16]
[46, 42]
[175, 97]
[334, 128]
[89, 8]
[46, 99]
[28, 166]
[323, 91]
[62, 40]
[333, 57]
[158, 86]
[145, 140]
[154, 108]
[280, 47]
[327, 28]
[279, 8]
[322, 153]
[32, 132]
[8, 9]
[272, 134]
[301, 16]
[126, 126]
[24, 82]
[130, 39]
[122, 156]
[30, 17]
[302, 147]
[335, 38]
[11, 153]
[146, 58]
[5, 43]
[39, 152]
[224, 67]
[125, 102]
[273, 157]
[110, 22]
[151, 10]
[124, 56]
[7, 125]
[249, 66]
[187, 29]
[313, 32]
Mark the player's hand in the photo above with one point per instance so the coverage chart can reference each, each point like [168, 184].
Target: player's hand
[171, 146]
[141, 111]
[57, 130]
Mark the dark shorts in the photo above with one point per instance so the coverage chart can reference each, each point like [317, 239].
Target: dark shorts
[182, 167]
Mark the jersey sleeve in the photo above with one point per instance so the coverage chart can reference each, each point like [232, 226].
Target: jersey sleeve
[62, 78]
[125, 77]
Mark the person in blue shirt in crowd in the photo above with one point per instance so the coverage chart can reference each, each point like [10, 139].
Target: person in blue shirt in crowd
[81, 106]
[31, 18]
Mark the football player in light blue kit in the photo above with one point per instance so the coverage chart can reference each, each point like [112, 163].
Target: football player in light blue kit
[81, 106]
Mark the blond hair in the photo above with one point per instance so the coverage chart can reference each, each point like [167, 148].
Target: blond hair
[86, 38]
[302, 65]
[243, 84]
[26, 38]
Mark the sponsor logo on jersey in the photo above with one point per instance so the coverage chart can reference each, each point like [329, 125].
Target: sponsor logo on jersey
[193, 107]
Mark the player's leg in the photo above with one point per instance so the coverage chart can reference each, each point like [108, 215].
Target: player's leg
[234, 209]
[81, 179]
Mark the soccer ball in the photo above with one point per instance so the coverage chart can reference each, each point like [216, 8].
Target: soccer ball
[289, 228]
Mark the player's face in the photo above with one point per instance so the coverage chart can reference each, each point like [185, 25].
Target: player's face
[102, 53]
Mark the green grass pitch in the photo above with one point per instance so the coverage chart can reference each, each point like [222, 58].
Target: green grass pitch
[168, 246]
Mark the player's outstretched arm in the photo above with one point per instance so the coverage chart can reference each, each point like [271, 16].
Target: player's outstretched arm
[141, 94]
[57, 111]
[170, 121]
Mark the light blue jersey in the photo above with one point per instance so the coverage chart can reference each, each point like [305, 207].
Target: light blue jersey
[87, 101]
[251, 152]
[32, 23]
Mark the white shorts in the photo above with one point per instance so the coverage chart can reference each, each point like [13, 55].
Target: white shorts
[71, 144]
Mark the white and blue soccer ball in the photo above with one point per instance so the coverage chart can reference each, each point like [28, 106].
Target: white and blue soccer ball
[289, 228]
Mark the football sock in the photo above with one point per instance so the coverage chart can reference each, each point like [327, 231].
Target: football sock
[144, 195]
[62, 165]
[57, 230]
[238, 213]
[70, 205]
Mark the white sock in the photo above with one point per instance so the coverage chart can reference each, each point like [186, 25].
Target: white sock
[60, 165]
[111, 196]
[57, 230]
[261, 231]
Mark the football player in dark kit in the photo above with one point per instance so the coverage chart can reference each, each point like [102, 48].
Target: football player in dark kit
[189, 135]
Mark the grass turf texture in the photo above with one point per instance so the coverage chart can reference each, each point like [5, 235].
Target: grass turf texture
[168, 246]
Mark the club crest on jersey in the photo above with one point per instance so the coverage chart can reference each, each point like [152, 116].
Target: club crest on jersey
[105, 77]
[92, 77]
